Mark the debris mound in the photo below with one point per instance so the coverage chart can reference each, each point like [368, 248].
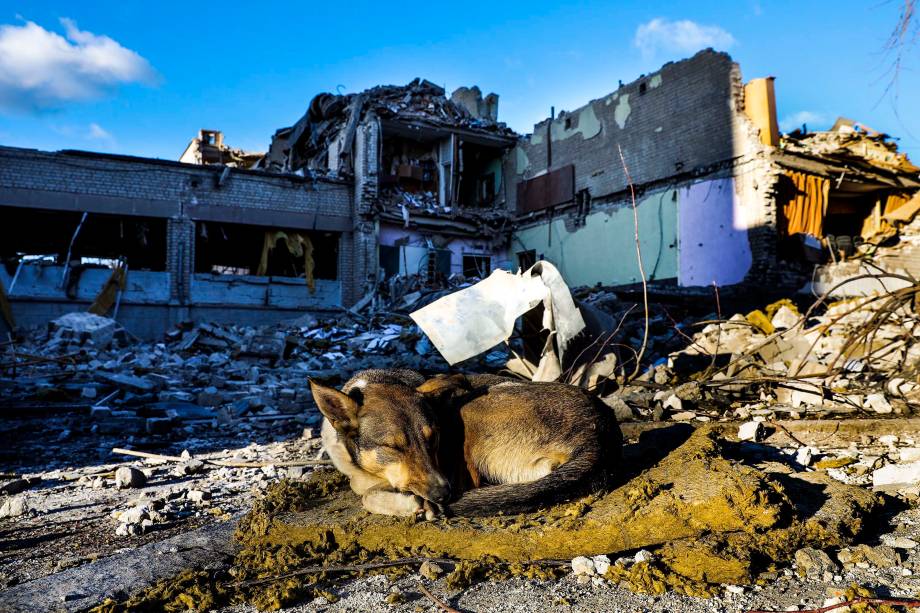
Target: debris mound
[703, 515]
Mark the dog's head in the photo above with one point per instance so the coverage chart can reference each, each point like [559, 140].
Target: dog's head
[391, 430]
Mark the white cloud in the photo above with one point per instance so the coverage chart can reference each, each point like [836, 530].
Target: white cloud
[42, 69]
[682, 36]
[97, 132]
[795, 121]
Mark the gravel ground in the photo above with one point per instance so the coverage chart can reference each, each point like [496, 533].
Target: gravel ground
[73, 512]
[784, 590]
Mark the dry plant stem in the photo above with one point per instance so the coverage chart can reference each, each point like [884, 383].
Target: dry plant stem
[895, 602]
[635, 210]
[227, 463]
[607, 339]
[443, 606]
[520, 359]
[715, 354]
[801, 322]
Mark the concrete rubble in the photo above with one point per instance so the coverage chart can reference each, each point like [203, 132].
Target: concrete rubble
[160, 438]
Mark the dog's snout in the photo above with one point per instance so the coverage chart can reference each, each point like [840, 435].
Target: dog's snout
[439, 490]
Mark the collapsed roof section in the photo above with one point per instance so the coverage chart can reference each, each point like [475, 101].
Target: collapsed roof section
[208, 148]
[850, 142]
[321, 141]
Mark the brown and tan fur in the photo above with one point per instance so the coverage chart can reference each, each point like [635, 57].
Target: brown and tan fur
[467, 445]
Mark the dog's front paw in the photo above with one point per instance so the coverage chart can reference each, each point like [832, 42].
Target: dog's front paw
[432, 510]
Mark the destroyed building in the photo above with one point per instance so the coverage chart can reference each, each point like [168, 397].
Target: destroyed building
[374, 195]
[209, 148]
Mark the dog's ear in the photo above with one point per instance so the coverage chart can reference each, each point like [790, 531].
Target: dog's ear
[445, 387]
[339, 408]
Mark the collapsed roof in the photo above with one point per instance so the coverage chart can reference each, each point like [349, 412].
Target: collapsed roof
[848, 141]
[327, 129]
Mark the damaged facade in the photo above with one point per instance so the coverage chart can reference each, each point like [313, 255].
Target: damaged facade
[379, 194]
[195, 241]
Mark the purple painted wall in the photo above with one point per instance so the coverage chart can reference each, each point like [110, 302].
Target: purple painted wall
[712, 235]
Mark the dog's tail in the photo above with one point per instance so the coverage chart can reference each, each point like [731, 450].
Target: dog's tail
[583, 473]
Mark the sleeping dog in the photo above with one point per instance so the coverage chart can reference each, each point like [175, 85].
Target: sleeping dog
[465, 444]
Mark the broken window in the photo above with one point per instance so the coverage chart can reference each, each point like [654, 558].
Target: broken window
[409, 172]
[38, 234]
[238, 249]
[477, 266]
[527, 258]
[480, 172]
[430, 264]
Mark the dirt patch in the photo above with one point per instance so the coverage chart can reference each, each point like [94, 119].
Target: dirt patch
[708, 518]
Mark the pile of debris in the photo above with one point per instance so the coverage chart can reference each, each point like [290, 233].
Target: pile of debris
[860, 355]
[848, 140]
[333, 118]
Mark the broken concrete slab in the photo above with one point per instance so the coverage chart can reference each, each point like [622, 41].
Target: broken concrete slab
[130, 382]
[81, 327]
[86, 586]
[893, 477]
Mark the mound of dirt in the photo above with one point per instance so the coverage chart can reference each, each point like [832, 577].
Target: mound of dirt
[710, 515]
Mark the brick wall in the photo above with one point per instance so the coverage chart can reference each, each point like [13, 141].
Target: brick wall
[681, 124]
[674, 120]
[362, 241]
[126, 177]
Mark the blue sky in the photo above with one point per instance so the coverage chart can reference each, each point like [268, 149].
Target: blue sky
[142, 78]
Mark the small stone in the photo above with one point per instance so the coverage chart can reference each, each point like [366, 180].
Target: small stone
[296, 472]
[134, 515]
[601, 564]
[88, 392]
[896, 476]
[683, 416]
[644, 555]
[14, 507]
[190, 467]
[881, 556]
[888, 439]
[582, 566]
[878, 403]
[804, 455]
[126, 477]
[198, 495]
[621, 410]
[673, 403]
[784, 318]
[813, 562]
[430, 570]
[735, 589]
[899, 542]
[751, 431]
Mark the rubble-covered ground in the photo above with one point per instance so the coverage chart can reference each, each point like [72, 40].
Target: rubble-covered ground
[224, 411]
